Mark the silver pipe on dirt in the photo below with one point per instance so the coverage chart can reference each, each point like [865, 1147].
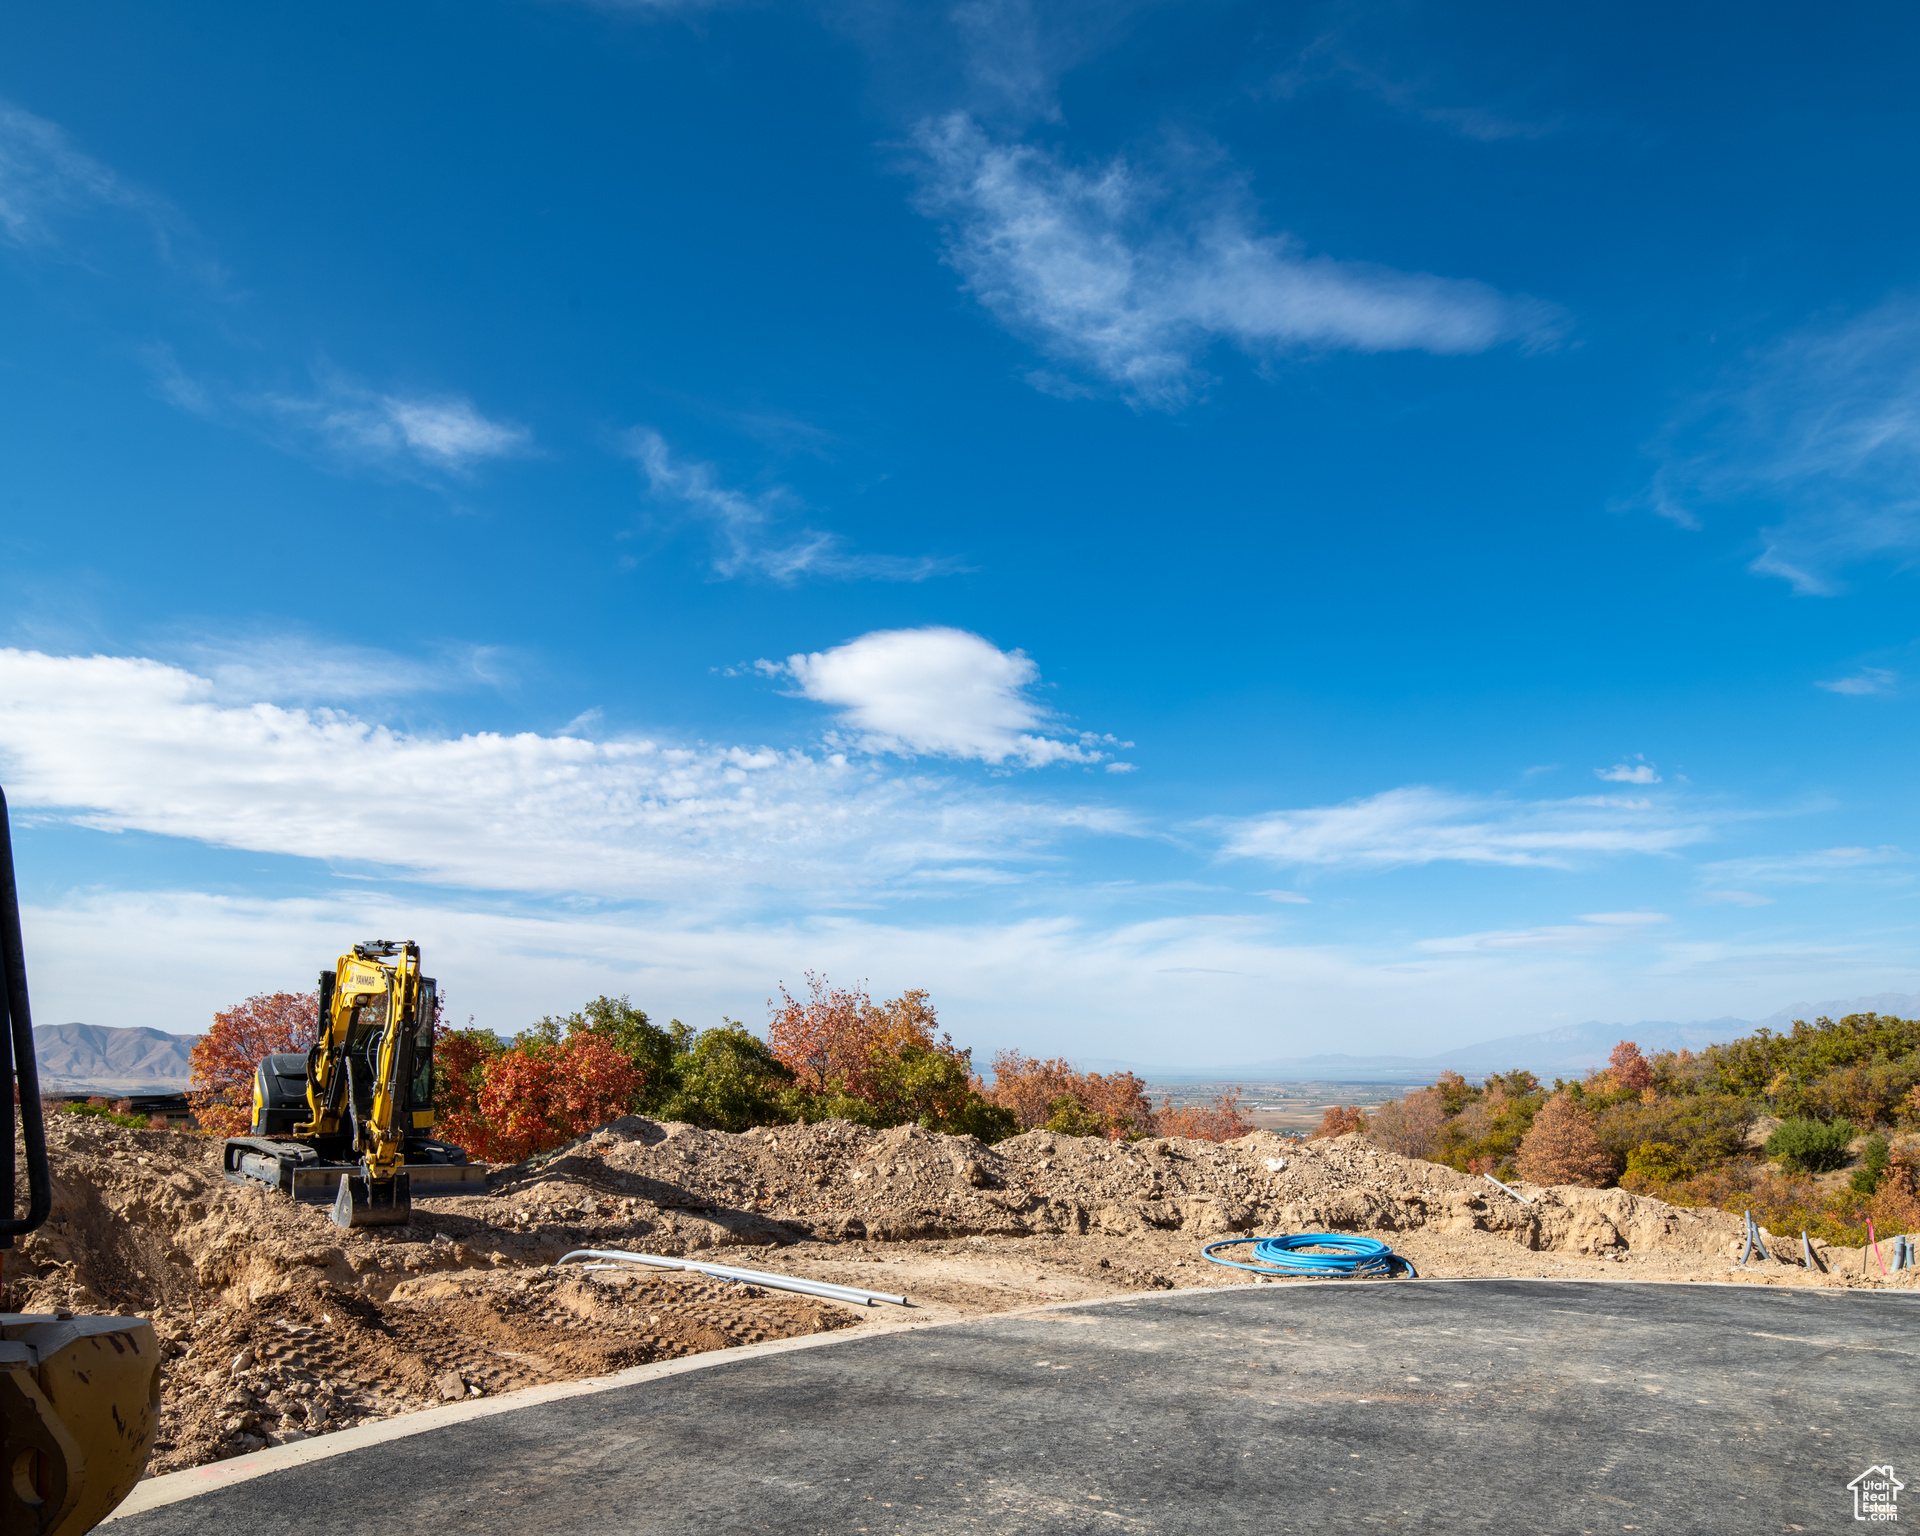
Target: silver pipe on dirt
[825, 1288]
[1509, 1189]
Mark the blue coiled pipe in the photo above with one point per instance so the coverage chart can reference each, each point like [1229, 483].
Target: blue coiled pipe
[1352, 1258]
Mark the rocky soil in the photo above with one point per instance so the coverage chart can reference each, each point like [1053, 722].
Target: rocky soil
[278, 1325]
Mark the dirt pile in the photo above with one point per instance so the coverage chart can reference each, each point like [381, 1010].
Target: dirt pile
[839, 1182]
[279, 1325]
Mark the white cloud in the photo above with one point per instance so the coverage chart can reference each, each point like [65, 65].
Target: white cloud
[287, 669]
[1186, 994]
[348, 425]
[938, 692]
[745, 525]
[1418, 825]
[123, 743]
[1639, 771]
[1813, 868]
[361, 426]
[1866, 680]
[45, 179]
[1595, 931]
[1098, 269]
[1820, 438]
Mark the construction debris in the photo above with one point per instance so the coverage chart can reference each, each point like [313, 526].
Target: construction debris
[279, 1325]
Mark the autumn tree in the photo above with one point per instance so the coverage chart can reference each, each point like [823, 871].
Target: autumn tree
[460, 1058]
[1561, 1147]
[1409, 1126]
[1631, 1071]
[877, 1063]
[225, 1058]
[616, 1022]
[1220, 1120]
[1113, 1104]
[535, 1096]
[1340, 1120]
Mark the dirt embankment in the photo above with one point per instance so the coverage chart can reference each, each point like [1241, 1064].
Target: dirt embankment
[279, 1325]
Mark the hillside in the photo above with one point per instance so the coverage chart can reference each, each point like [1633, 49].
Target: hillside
[99, 1058]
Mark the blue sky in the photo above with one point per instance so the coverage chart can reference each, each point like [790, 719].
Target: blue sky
[1197, 533]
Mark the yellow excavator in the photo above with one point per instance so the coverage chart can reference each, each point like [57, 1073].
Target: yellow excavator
[79, 1396]
[349, 1122]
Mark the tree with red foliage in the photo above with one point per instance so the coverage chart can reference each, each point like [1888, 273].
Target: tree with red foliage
[1630, 1069]
[880, 1063]
[1219, 1121]
[225, 1058]
[1340, 1120]
[535, 1096]
[460, 1058]
[1561, 1147]
[827, 1041]
[1116, 1102]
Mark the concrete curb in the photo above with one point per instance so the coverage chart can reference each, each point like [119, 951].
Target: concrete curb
[172, 1487]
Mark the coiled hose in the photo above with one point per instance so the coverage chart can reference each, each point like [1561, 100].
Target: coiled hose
[1352, 1258]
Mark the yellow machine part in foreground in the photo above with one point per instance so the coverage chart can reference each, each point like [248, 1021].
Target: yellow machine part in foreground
[79, 1407]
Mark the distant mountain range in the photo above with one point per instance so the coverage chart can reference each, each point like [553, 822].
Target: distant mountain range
[99, 1058]
[1568, 1051]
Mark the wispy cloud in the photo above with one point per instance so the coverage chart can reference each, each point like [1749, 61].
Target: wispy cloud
[1418, 825]
[1736, 899]
[1818, 439]
[347, 425]
[47, 181]
[1866, 680]
[443, 432]
[1816, 867]
[1335, 56]
[1594, 931]
[1636, 771]
[49, 188]
[290, 669]
[746, 528]
[127, 743]
[939, 692]
[1106, 272]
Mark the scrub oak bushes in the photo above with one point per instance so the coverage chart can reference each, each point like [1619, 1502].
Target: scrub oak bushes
[1560, 1147]
[1806, 1145]
[1339, 1120]
[1679, 1125]
[829, 1052]
[1052, 1096]
[225, 1057]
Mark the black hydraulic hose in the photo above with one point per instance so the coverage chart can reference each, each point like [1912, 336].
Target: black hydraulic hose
[23, 1070]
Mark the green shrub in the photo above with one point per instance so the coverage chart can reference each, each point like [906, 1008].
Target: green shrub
[1810, 1146]
[131, 1122]
[1653, 1165]
[1874, 1158]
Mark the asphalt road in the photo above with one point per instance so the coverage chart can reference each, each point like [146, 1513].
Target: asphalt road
[1414, 1405]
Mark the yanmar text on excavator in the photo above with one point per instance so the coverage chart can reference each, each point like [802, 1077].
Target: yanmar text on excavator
[350, 1122]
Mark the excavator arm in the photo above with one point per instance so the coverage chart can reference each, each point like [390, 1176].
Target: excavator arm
[360, 1074]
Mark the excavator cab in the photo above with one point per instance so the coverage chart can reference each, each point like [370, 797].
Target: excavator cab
[79, 1396]
[347, 1123]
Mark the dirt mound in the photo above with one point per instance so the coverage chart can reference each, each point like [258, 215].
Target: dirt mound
[840, 1182]
[278, 1324]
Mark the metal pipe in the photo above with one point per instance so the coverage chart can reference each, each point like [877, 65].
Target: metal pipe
[1498, 1185]
[824, 1288]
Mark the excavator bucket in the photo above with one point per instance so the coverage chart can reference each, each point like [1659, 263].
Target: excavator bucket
[364, 1202]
